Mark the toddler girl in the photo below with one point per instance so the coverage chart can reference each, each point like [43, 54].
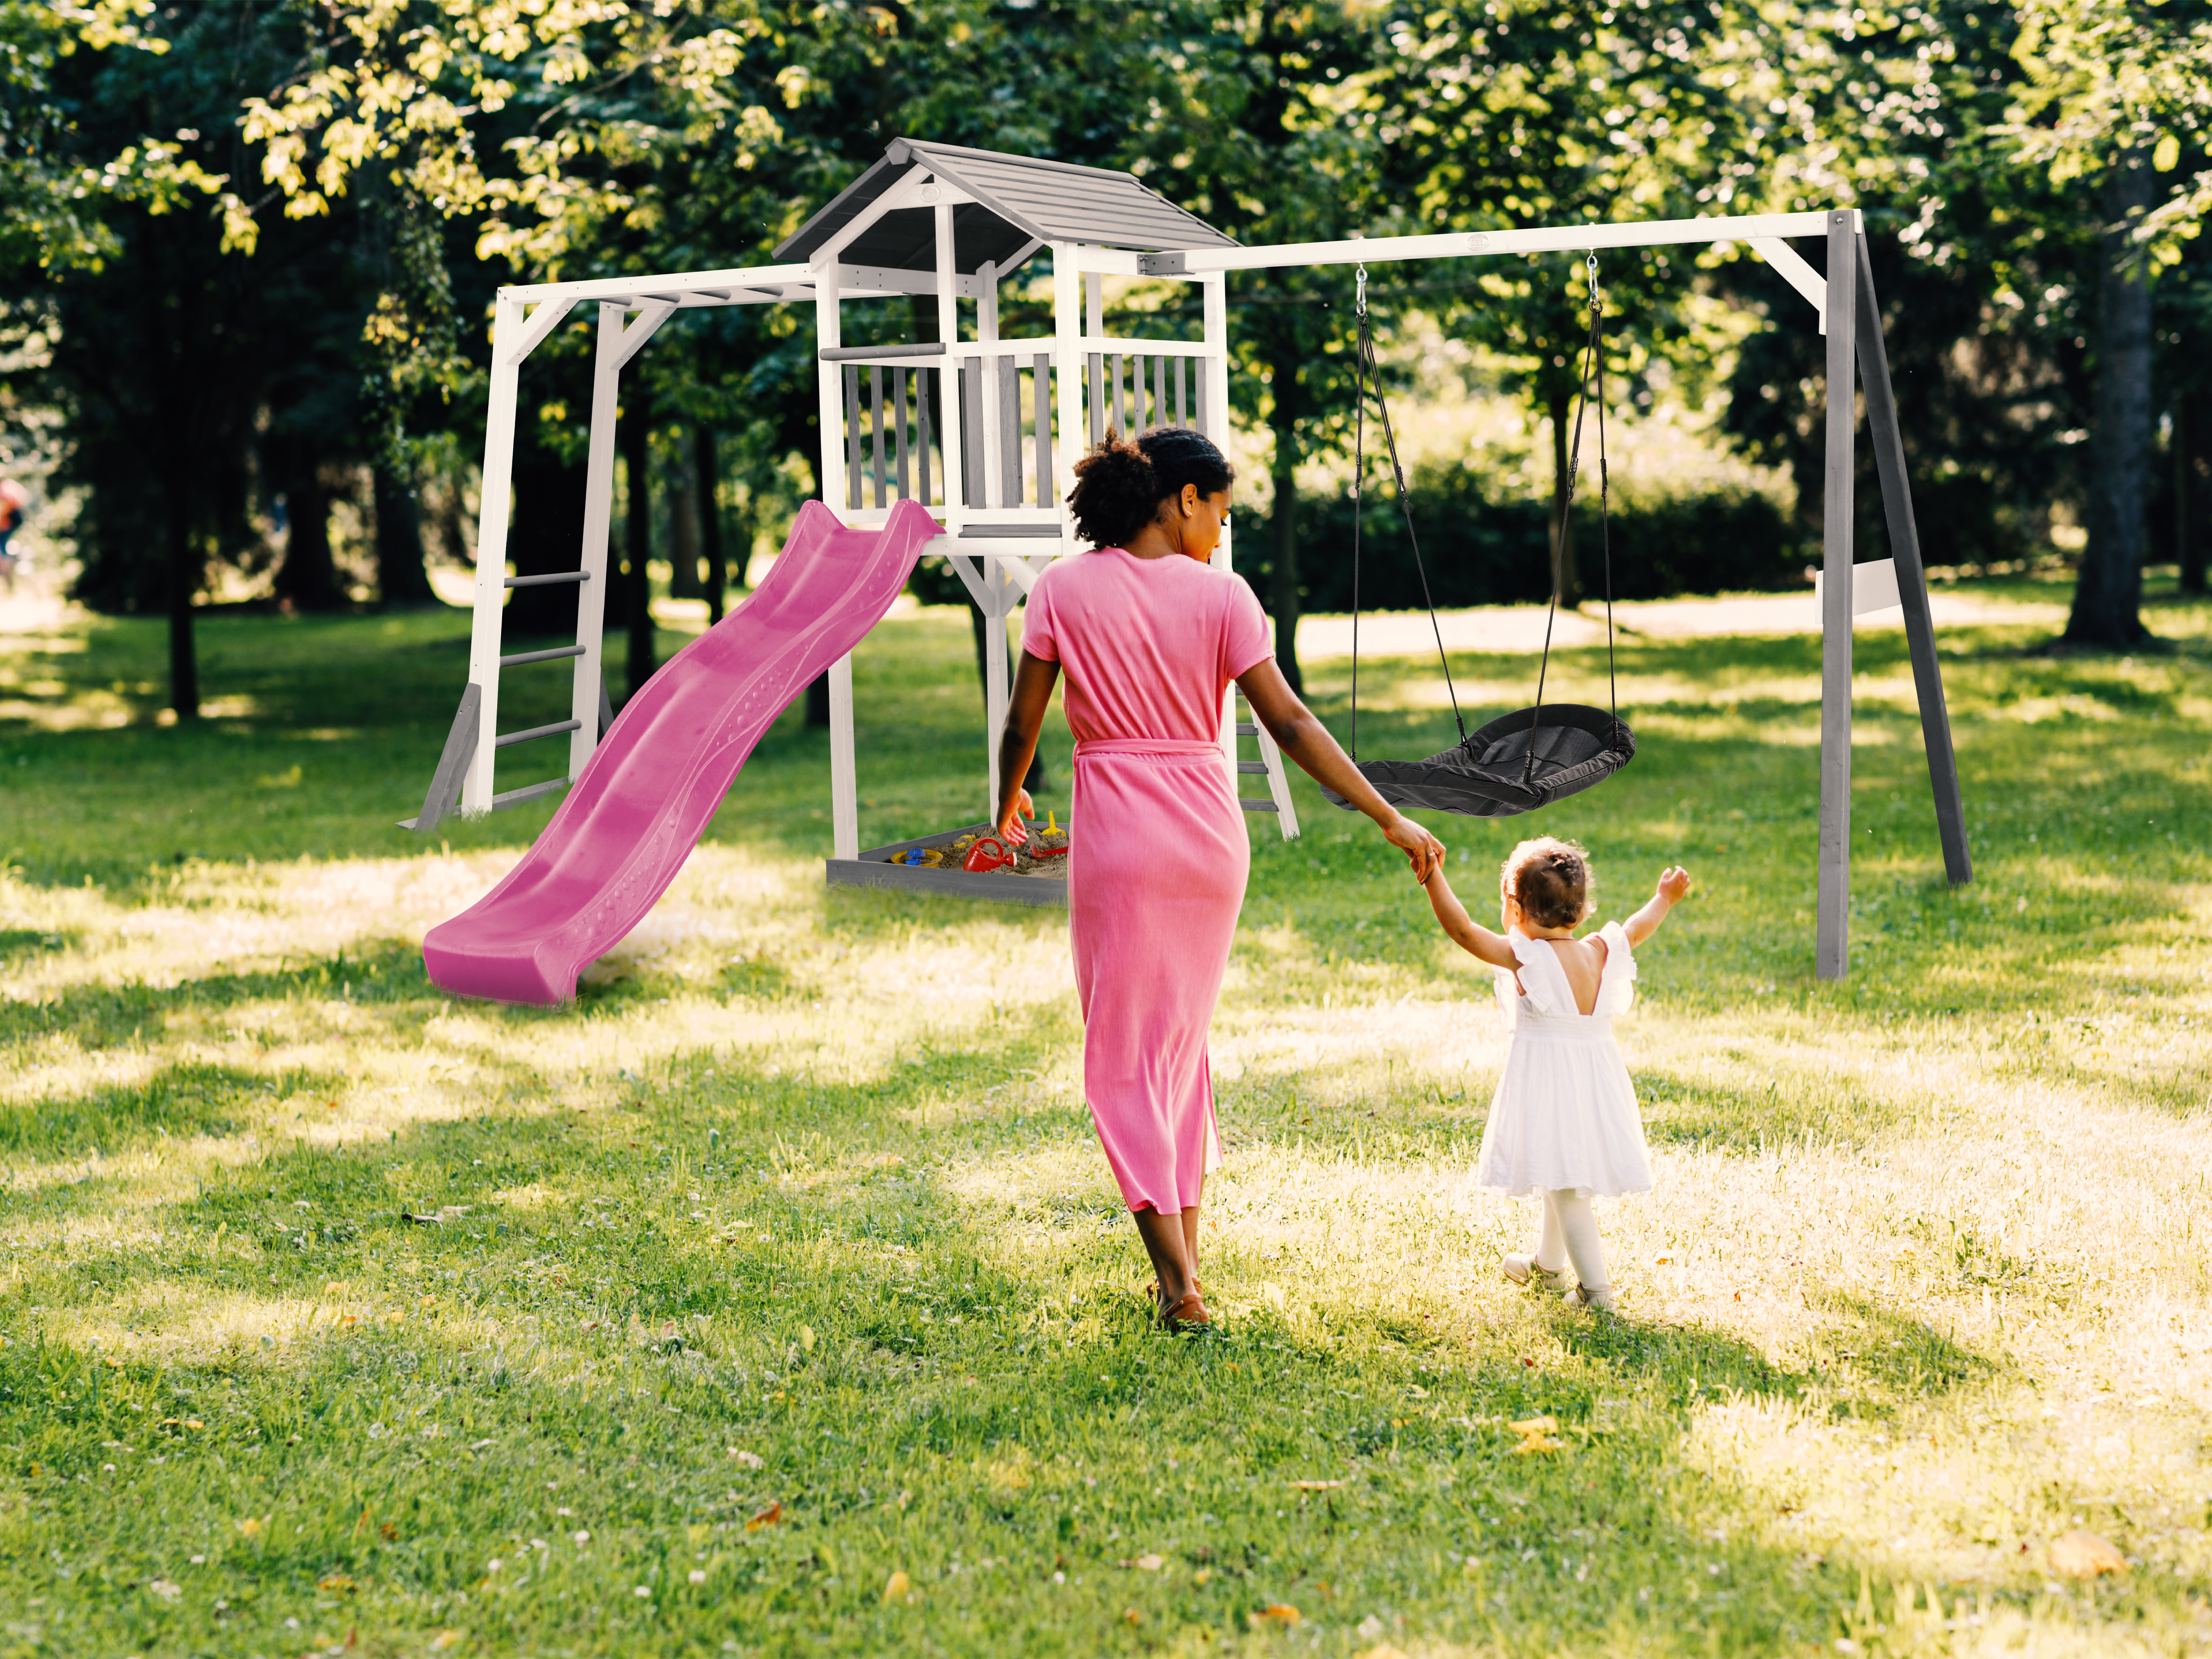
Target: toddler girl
[1563, 1123]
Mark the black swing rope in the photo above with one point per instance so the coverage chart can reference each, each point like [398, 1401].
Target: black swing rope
[1364, 364]
[1476, 776]
[1592, 366]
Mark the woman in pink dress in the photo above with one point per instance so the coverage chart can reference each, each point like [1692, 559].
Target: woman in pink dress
[1150, 638]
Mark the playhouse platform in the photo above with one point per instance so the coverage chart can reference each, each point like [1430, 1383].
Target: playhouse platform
[874, 868]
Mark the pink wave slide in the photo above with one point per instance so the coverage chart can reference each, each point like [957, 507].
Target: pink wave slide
[647, 793]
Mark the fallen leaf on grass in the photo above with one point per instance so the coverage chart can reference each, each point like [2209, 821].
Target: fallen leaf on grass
[252, 1525]
[1143, 1562]
[896, 1586]
[1536, 1425]
[2085, 1555]
[1281, 1614]
[1315, 1486]
[767, 1517]
[167, 1588]
[336, 1581]
[444, 1639]
[752, 1459]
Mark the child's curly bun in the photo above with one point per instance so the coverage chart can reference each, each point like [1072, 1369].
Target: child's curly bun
[1120, 484]
[1550, 881]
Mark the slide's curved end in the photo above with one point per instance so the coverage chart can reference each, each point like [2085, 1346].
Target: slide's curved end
[647, 793]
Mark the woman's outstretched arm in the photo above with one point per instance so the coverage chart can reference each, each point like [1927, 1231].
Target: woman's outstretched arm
[1025, 710]
[1301, 736]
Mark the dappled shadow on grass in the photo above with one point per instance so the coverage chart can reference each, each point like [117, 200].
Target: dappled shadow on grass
[96, 1016]
[188, 1098]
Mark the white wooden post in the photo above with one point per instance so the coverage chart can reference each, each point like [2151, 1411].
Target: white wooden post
[948, 378]
[995, 493]
[1215, 292]
[844, 780]
[1067, 371]
[599, 509]
[494, 509]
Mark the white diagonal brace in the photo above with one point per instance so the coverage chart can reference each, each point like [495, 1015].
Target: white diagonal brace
[651, 315]
[549, 316]
[1790, 266]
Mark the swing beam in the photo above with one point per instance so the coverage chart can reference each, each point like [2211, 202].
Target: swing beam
[1852, 321]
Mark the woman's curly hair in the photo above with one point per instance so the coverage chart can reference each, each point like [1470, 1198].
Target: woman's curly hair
[1550, 880]
[1120, 484]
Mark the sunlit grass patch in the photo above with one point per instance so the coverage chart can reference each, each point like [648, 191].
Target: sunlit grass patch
[782, 1266]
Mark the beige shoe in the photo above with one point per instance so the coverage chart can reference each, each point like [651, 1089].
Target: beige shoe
[1522, 1268]
[1582, 1296]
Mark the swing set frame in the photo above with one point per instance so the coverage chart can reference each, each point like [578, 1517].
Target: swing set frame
[1851, 320]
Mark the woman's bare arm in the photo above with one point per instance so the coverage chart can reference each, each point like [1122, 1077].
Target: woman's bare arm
[1470, 935]
[1025, 710]
[1301, 736]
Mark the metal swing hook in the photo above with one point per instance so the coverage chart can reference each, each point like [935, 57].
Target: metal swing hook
[1359, 293]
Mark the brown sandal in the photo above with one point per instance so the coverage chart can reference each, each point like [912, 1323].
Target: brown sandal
[1188, 1313]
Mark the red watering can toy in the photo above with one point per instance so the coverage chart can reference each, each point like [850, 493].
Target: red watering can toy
[989, 853]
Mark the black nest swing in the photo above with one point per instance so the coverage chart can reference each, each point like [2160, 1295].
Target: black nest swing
[1535, 755]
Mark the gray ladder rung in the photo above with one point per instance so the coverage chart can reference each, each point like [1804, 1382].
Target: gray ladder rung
[522, 657]
[547, 581]
[1252, 766]
[530, 791]
[1247, 729]
[537, 731]
[1251, 805]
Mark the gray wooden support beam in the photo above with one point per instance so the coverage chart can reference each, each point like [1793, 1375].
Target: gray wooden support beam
[1832, 911]
[445, 792]
[1912, 577]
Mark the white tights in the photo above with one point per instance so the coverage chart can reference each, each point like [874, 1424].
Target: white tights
[1571, 1234]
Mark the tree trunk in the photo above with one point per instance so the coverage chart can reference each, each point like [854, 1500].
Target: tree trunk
[308, 579]
[185, 572]
[2108, 595]
[1283, 591]
[1563, 524]
[707, 474]
[400, 577]
[682, 492]
[637, 539]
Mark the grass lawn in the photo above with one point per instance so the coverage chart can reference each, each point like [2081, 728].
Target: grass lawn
[776, 1298]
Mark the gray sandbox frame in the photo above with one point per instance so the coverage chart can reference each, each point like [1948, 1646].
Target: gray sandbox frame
[874, 868]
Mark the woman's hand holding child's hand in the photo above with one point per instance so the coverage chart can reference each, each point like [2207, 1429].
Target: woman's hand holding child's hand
[1422, 850]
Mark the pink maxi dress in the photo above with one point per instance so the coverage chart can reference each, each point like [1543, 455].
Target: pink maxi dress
[1158, 856]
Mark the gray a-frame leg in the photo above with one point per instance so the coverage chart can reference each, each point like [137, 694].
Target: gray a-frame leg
[445, 792]
[444, 797]
[1832, 911]
[1912, 578]
[1856, 359]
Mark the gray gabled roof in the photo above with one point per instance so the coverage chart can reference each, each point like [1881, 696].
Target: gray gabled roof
[1019, 200]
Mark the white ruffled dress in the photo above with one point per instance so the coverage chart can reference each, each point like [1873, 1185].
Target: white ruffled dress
[1566, 1112]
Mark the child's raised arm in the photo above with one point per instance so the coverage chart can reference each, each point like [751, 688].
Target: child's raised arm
[1467, 933]
[1674, 883]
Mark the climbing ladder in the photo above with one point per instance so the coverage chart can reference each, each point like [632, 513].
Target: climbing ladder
[1268, 766]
